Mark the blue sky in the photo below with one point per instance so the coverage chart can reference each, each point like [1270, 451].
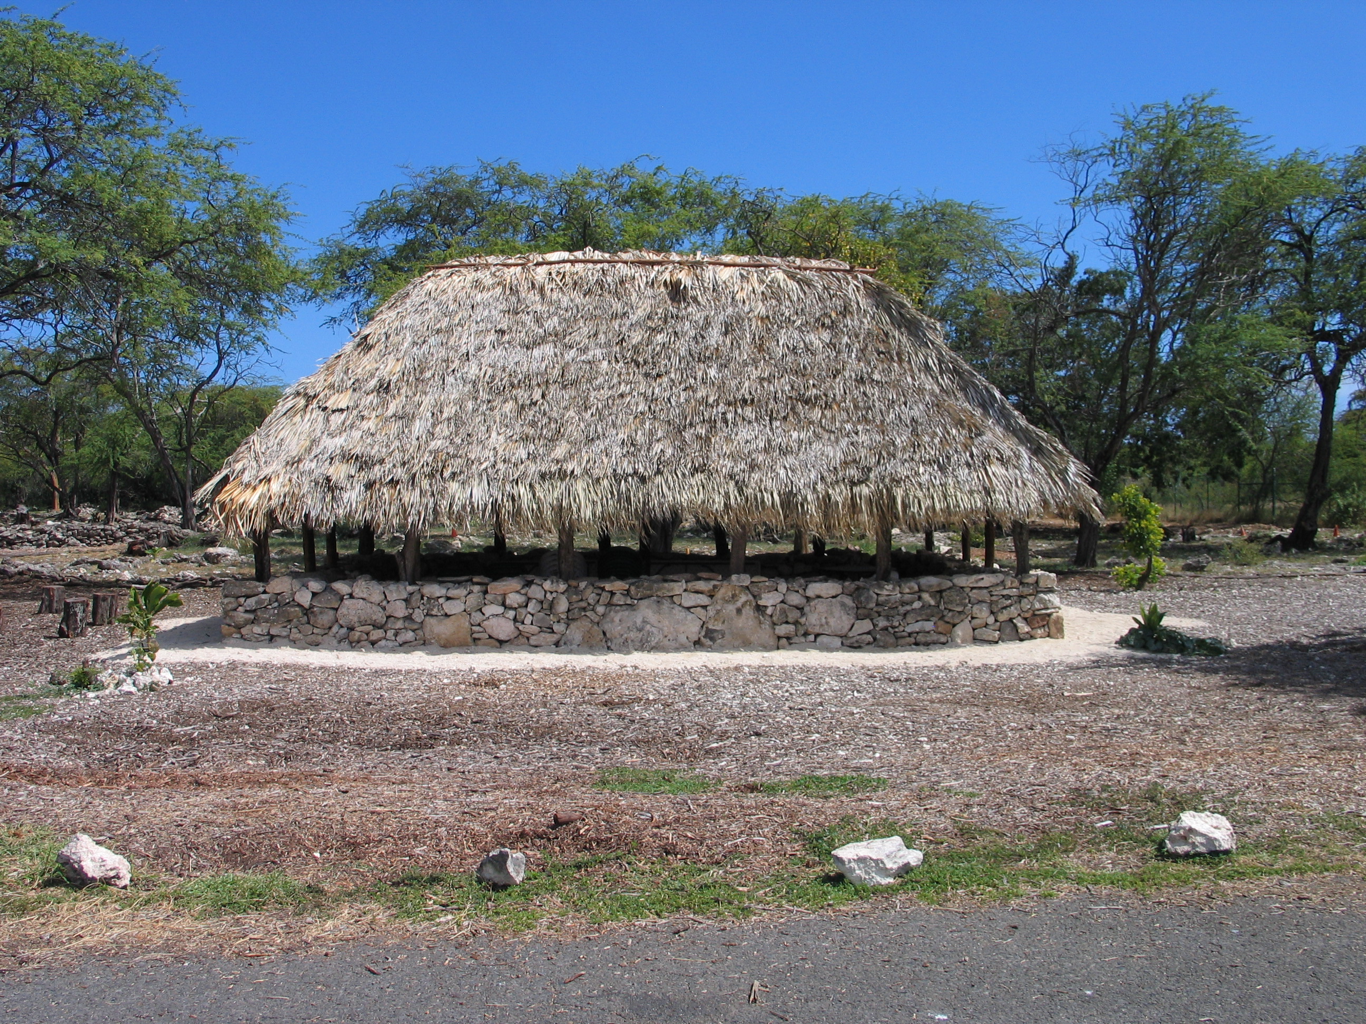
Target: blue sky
[955, 99]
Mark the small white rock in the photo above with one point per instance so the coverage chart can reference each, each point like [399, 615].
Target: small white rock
[85, 862]
[502, 867]
[876, 861]
[1197, 832]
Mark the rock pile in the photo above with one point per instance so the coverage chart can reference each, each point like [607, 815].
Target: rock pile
[658, 613]
[156, 529]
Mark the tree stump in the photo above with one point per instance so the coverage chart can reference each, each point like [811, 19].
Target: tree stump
[75, 617]
[104, 608]
[51, 601]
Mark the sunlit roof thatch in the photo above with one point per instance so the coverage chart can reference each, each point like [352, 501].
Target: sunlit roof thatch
[605, 388]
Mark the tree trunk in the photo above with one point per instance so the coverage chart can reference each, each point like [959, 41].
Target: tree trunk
[659, 534]
[739, 537]
[1316, 488]
[884, 551]
[1088, 540]
[410, 566]
[565, 563]
[799, 542]
[330, 550]
[966, 544]
[1019, 532]
[104, 608]
[310, 546]
[75, 617]
[722, 539]
[111, 512]
[989, 543]
[365, 541]
[51, 601]
[56, 485]
[260, 551]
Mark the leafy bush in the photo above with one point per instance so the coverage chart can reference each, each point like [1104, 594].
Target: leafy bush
[1346, 507]
[1150, 635]
[1135, 577]
[1143, 537]
[1243, 552]
[143, 606]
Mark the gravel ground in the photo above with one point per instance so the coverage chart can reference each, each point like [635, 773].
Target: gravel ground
[334, 774]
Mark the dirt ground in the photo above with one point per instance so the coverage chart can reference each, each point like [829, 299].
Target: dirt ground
[334, 774]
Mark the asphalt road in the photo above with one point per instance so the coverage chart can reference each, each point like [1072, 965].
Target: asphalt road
[1248, 960]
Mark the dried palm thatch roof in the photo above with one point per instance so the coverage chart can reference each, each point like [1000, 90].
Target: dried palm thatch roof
[604, 388]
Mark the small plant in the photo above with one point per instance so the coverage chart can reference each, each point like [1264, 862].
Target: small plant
[143, 606]
[1142, 536]
[1149, 634]
[83, 677]
[827, 785]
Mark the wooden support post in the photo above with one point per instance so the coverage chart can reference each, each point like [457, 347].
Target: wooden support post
[500, 542]
[883, 557]
[604, 543]
[260, 550]
[1020, 535]
[75, 617]
[330, 549]
[410, 566]
[309, 541]
[989, 544]
[967, 542]
[51, 601]
[929, 539]
[365, 540]
[799, 542]
[722, 539]
[565, 561]
[818, 546]
[739, 537]
[104, 608]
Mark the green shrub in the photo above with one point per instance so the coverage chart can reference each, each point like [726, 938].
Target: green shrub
[1346, 507]
[143, 606]
[1143, 537]
[1150, 635]
[1243, 552]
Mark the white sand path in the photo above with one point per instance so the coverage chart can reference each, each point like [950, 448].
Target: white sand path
[1090, 635]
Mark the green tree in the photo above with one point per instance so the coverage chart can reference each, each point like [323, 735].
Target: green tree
[1178, 200]
[1319, 297]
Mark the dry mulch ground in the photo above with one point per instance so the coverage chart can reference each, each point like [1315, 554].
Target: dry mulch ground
[340, 777]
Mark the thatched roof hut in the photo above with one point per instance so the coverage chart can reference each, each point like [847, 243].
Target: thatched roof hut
[606, 388]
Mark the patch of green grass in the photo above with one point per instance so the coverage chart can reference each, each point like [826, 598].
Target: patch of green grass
[1242, 552]
[244, 893]
[827, 785]
[23, 705]
[652, 780]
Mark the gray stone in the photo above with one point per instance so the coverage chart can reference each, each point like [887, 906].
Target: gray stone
[736, 616]
[303, 597]
[655, 624]
[693, 600]
[368, 590]
[85, 862]
[876, 861]
[507, 586]
[355, 613]
[500, 627]
[322, 618]
[1200, 832]
[656, 588]
[220, 556]
[1197, 564]
[327, 599]
[830, 615]
[961, 634]
[828, 589]
[447, 630]
[502, 868]
[241, 588]
[583, 634]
